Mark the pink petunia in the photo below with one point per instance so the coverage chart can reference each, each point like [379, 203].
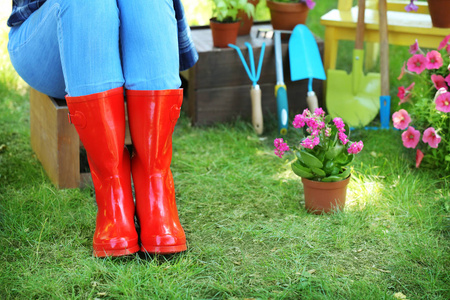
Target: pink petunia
[433, 60]
[411, 137]
[443, 102]
[431, 137]
[401, 119]
[444, 42]
[447, 79]
[310, 4]
[355, 148]
[419, 157]
[439, 82]
[404, 93]
[416, 63]
[411, 7]
[402, 72]
[414, 48]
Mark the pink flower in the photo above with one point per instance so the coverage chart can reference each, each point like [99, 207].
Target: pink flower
[310, 4]
[439, 81]
[431, 138]
[447, 79]
[299, 121]
[355, 148]
[402, 72]
[401, 119]
[319, 111]
[280, 147]
[443, 102]
[411, 137]
[343, 138]
[414, 48]
[339, 124]
[404, 94]
[419, 157]
[416, 63]
[310, 142]
[411, 7]
[444, 42]
[433, 60]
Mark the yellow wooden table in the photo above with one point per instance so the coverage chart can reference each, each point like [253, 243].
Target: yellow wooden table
[404, 27]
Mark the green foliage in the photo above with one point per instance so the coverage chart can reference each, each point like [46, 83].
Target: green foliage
[227, 10]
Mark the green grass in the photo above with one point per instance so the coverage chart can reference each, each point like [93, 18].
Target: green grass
[242, 209]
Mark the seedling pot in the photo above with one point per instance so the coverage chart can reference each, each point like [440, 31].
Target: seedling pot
[224, 33]
[285, 16]
[324, 197]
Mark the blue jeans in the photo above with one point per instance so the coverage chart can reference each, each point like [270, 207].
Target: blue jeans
[82, 47]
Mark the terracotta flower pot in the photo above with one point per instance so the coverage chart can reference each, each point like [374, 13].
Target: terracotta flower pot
[439, 11]
[324, 197]
[284, 16]
[246, 22]
[223, 33]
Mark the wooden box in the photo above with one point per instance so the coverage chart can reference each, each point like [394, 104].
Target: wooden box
[219, 87]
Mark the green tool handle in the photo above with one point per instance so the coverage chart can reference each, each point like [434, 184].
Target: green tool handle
[257, 116]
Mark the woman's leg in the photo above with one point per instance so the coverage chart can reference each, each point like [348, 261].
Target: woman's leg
[151, 68]
[69, 47]
[149, 42]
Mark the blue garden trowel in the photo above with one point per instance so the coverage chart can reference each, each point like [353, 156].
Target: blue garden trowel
[305, 61]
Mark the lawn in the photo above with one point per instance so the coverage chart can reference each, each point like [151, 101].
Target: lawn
[242, 209]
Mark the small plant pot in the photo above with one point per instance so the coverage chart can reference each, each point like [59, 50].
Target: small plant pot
[224, 33]
[246, 22]
[285, 16]
[439, 10]
[324, 197]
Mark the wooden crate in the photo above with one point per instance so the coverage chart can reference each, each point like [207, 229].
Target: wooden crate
[219, 88]
[56, 142]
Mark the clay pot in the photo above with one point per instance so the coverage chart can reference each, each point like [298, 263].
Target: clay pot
[324, 197]
[439, 10]
[246, 22]
[285, 16]
[223, 33]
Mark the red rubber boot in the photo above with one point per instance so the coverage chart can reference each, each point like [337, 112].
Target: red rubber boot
[152, 116]
[100, 122]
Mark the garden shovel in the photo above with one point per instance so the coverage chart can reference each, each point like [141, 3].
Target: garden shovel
[305, 61]
[385, 98]
[354, 97]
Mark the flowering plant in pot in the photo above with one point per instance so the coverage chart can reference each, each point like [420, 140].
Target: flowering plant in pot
[225, 24]
[323, 154]
[425, 106]
[286, 14]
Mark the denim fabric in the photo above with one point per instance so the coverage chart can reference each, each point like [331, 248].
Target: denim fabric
[81, 47]
[22, 9]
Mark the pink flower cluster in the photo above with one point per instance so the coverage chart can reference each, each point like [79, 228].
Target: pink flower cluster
[315, 125]
[355, 148]
[341, 128]
[411, 136]
[280, 147]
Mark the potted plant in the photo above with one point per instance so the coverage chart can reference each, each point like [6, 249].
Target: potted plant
[246, 19]
[322, 158]
[425, 106]
[438, 10]
[225, 24]
[286, 14]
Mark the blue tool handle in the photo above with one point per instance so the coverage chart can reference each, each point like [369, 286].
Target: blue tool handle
[385, 108]
[282, 109]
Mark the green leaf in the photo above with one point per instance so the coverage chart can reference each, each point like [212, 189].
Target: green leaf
[310, 160]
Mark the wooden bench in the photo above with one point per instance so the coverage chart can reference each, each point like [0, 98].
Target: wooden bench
[56, 143]
[404, 27]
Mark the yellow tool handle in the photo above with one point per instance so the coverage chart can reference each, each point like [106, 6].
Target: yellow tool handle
[257, 116]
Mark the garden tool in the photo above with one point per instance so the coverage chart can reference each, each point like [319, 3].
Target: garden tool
[255, 92]
[152, 116]
[354, 97]
[385, 98]
[100, 122]
[280, 87]
[305, 61]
